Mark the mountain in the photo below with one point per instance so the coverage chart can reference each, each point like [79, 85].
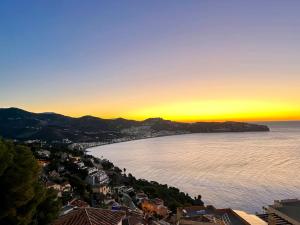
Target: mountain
[23, 125]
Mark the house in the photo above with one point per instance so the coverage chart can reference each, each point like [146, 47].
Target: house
[158, 201]
[101, 188]
[74, 159]
[43, 154]
[78, 203]
[285, 211]
[134, 217]
[80, 165]
[250, 218]
[91, 216]
[98, 177]
[126, 201]
[66, 187]
[139, 197]
[66, 141]
[208, 215]
[43, 162]
[154, 207]
[99, 182]
[124, 189]
[60, 169]
[53, 185]
[57, 187]
[92, 170]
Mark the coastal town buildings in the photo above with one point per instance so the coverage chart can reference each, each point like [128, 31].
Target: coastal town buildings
[97, 177]
[60, 188]
[154, 207]
[43, 162]
[123, 189]
[78, 203]
[282, 212]
[93, 191]
[98, 180]
[81, 165]
[53, 185]
[250, 218]
[91, 216]
[209, 215]
[140, 196]
[43, 154]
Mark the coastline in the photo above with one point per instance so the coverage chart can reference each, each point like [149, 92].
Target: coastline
[248, 149]
[135, 139]
[87, 145]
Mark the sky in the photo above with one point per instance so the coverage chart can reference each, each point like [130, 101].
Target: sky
[194, 60]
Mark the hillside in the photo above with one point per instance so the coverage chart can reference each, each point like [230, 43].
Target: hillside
[23, 125]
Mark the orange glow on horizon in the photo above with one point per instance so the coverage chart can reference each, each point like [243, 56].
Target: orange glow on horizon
[222, 111]
[193, 111]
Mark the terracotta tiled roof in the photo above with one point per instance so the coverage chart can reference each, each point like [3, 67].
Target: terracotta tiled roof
[91, 216]
[78, 203]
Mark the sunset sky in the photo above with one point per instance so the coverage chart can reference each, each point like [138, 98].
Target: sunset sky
[192, 60]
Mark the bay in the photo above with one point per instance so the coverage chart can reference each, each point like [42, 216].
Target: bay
[239, 170]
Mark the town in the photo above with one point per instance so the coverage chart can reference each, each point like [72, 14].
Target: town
[95, 190]
[154, 112]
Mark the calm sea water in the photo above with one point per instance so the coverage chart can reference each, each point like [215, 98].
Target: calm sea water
[240, 170]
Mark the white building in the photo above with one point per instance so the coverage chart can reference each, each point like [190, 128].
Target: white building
[97, 178]
[92, 170]
[99, 182]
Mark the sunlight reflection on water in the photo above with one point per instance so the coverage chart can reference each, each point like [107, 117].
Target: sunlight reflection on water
[239, 170]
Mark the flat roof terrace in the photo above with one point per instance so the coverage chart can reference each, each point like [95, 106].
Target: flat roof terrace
[288, 209]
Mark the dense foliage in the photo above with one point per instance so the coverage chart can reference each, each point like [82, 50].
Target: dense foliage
[24, 200]
[172, 196]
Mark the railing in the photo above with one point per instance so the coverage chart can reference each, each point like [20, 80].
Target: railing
[226, 219]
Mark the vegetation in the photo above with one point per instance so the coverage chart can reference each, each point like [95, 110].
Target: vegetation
[172, 196]
[24, 200]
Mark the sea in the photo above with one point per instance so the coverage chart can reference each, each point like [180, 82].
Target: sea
[244, 171]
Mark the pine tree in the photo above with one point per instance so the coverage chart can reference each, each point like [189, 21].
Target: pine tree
[23, 200]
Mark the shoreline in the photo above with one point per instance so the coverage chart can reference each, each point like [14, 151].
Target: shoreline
[105, 150]
[87, 145]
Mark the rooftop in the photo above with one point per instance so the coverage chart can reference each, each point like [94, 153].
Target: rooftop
[209, 213]
[91, 216]
[250, 218]
[289, 208]
[78, 203]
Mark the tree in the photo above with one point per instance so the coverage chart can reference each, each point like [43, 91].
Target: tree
[131, 180]
[107, 165]
[23, 199]
[48, 209]
[80, 187]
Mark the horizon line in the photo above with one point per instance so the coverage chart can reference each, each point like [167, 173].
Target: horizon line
[156, 117]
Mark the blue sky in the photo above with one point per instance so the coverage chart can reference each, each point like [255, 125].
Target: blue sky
[115, 58]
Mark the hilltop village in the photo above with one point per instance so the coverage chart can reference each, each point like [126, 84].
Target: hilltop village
[94, 191]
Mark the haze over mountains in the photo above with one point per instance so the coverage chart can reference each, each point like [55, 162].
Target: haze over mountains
[23, 125]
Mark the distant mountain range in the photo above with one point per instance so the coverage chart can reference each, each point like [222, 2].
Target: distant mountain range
[23, 125]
